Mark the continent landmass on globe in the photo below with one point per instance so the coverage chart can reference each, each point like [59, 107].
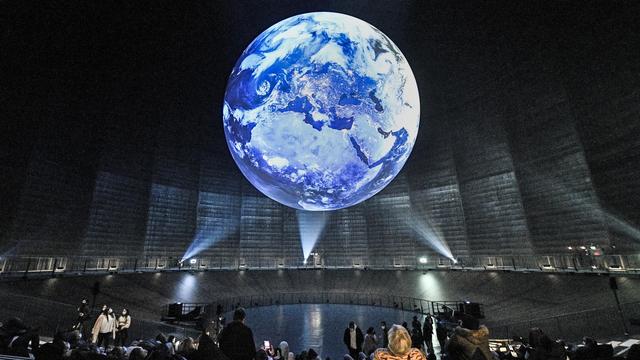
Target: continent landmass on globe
[321, 111]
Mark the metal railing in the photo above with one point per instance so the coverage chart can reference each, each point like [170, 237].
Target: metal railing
[33, 266]
[601, 323]
[51, 316]
[230, 303]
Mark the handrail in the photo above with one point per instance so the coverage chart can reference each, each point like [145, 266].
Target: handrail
[599, 323]
[228, 303]
[43, 266]
[575, 313]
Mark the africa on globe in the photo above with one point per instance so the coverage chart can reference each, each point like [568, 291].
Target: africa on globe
[321, 111]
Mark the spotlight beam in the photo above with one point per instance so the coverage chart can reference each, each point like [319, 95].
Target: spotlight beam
[311, 225]
[428, 233]
[206, 238]
[568, 194]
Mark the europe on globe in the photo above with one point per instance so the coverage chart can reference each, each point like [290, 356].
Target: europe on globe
[321, 111]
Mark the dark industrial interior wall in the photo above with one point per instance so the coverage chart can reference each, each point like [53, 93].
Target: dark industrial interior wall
[387, 228]
[602, 80]
[219, 203]
[528, 143]
[560, 201]
[120, 202]
[54, 206]
[433, 183]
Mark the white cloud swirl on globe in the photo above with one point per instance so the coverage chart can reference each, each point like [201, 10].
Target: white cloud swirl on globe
[321, 111]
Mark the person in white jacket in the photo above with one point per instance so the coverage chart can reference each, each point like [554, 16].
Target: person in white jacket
[122, 328]
[104, 329]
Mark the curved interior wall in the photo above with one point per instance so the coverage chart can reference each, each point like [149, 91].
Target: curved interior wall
[529, 138]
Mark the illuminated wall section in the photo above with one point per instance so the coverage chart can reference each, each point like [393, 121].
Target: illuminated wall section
[218, 211]
[434, 188]
[172, 212]
[386, 229]
[344, 239]
[261, 228]
[493, 211]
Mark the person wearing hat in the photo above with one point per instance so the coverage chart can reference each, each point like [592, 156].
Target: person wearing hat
[399, 347]
[353, 339]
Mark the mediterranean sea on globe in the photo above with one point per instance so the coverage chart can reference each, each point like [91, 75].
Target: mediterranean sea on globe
[321, 111]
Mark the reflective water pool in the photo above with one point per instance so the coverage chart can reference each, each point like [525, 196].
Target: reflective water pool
[317, 326]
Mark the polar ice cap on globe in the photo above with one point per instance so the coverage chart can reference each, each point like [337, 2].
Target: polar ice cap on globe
[321, 111]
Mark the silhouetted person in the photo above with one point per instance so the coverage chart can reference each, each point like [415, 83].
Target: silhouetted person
[588, 351]
[53, 350]
[427, 333]
[416, 338]
[415, 323]
[83, 316]
[236, 339]
[370, 343]
[16, 337]
[353, 339]
[207, 349]
[385, 334]
[469, 341]
[441, 334]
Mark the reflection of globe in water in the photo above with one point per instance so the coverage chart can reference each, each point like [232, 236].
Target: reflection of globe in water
[321, 111]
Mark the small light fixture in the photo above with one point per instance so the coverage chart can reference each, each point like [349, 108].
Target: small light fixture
[570, 247]
[422, 260]
[193, 261]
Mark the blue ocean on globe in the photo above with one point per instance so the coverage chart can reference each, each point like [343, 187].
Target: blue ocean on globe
[321, 111]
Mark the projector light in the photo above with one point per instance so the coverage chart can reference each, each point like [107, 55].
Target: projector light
[422, 260]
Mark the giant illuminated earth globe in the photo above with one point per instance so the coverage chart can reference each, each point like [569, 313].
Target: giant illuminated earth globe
[321, 111]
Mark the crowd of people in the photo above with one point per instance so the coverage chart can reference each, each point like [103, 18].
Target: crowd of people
[460, 338]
